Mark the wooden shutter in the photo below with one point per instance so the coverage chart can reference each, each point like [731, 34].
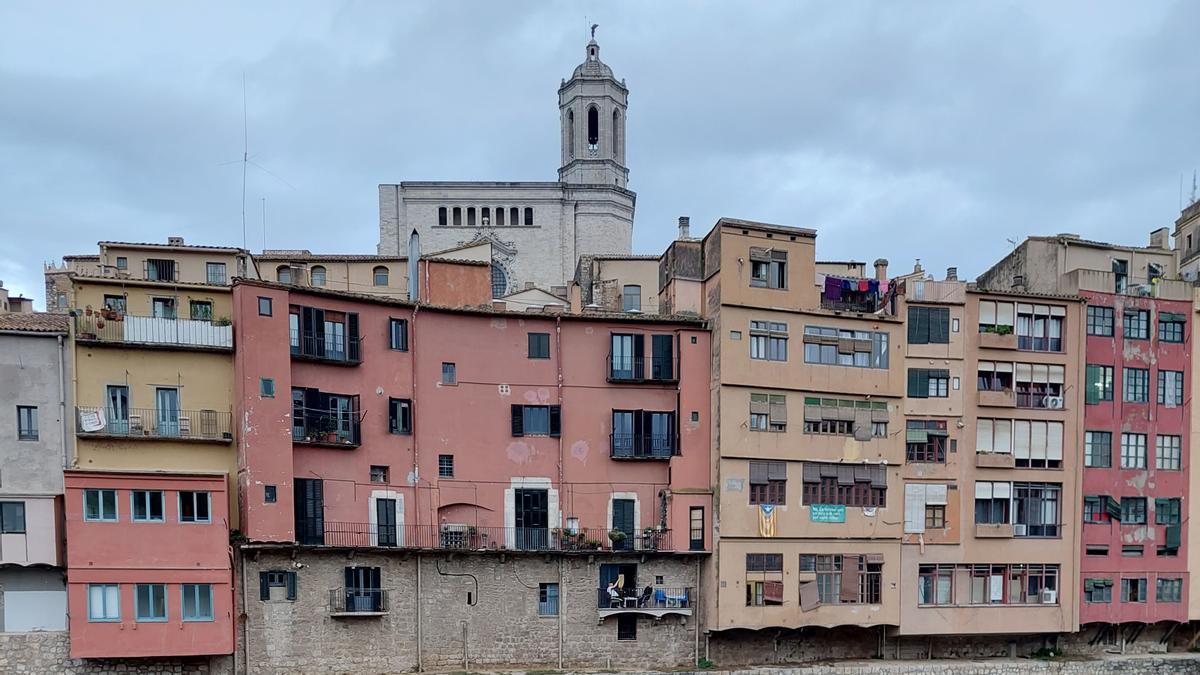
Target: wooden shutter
[352, 351]
[914, 508]
[291, 585]
[1092, 385]
[914, 331]
[810, 599]
[264, 586]
[778, 407]
[849, 590]
[758, 473]
[518, 420]
[918, 383]
[939, 330]
[556, 421]
[639, 356]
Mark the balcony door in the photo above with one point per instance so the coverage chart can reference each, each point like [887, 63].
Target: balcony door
[385, 522]
[166, 400]
[622, 521]
[342, 412]
[626, 357]
[663, 357]
[117, 412]
[363, 593]
[310, 511]
[163, 308]
[532, 518]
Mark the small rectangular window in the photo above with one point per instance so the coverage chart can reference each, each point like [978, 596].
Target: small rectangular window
[100, 505]
[631, 298]
[195, 507]
[536, 420]
[197, 602]
[270, 494]
[398, 334]
[539, 345]
[1096, 549]
[399, 416]
[696, 528]
[12, 517]
[449, 373]
[1100, 321]
[1132, 550]
[1136, 324]
[445, 466]
[150, 602]
[104, 602]
[147, 506]
[1171, 326]
[379, 474]
[626, 627]
[276, 579]
[122, 262]
[200, 310]
[547, 599]
[216, 273]
[266, 387]
[27, 423]
[264, 306]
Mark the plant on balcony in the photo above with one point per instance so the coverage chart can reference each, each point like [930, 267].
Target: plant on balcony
[998, 330]
[223, 321]
[590, 545]
[616, 536]
[326, 429]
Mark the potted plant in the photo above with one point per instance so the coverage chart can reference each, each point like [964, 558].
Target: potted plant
[616, 537]
[326, 429]
[223, 321]
[590, 545]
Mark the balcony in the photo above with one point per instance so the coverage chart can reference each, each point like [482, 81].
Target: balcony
[208, 426]
[656, 601]
[1039, 401]
[993, 530]
[328, 348]
[631, 446]
[997, 398]
[453, 537]
[167, 332]
[643, 369]
[327, 428]
[1028, 343]
[994, 340]
[358, 602]
[994, 460]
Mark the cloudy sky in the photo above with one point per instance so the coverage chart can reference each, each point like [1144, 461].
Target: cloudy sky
[931, 130]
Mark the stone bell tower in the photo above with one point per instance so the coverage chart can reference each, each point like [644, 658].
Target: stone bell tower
[592, 108]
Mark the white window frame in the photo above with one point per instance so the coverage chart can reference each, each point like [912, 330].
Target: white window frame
[196, 590]
[195, 494]
[133, 517]
[106, 617]
[116, 504]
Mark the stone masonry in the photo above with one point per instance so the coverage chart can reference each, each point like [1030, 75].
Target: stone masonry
[49, 652]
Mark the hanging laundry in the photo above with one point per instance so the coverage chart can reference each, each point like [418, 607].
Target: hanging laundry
[873, 287]
[863, 285]
[833, 289]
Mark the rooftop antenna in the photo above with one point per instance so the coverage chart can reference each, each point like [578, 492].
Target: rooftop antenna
[1192, 200]
[264, 202]
[245, 155]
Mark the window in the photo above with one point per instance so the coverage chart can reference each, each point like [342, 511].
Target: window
[547, 599]
[764, 579]
[449, 373]
[833, 346]
[1040, 327]
[270, 494]
[1096, 549]
[266, 387]
[1137, 324]
[1137, 385]
[993, 436]
[1100, 321]
[1097, 590]
[162, 308]
[992, 502]
[197, 602]
[925, 383]
[379, 276]
[1097, 451]
[457, 214]
[1093, 509]
[150, 602]
[536, 420]
[539, 345]
[283, 274]
[1039, 385]
[264, 306]
[1170, 327]
[926, 441]
[104, 602]
[276, 579]
[499, 281]
[1170, 388]
[442, 219]
[696, 528]
[122, 262]
[1133, 451]
[643, 434]
[1168, 452]
[216, 273]
[115, 302]
[194, 507]
[1133, 590]
[839, 417]
[470, 216]
[200, 310]
[160, 270]
[379, 474]
[1133, 550]
[445, 466]
[849, 485]
[399, 416]
[1167, 511]
[768, 340]
[12, 517]
[935, 585]
[528, 216]
[147, 506]
[398, 334]
[1037, 444]
[100, 505]
[1168, 590]
[1133, 510]
[768, 482]
[1099, 384]
[1037, 507]
[626, 623]
[996, 317]
[631, 298]
[935, 516]
[768, 412]
[928, 325]
[317, 275]
[768, 268]
[27, 423]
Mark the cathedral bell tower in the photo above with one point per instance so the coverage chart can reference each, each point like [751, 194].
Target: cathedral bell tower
[592, 110]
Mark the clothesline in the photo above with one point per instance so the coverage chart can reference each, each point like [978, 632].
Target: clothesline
[835, 286]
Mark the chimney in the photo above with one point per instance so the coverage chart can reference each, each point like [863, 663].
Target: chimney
[499, 305]
[1018, 282]
[685, 228]
[881, 269]
[1160, 238]
[917, 269]
[951, 274]
[174, 241]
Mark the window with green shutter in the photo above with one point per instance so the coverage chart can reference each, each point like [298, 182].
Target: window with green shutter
[928, 325]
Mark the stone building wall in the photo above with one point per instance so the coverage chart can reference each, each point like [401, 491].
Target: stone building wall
[49, 652]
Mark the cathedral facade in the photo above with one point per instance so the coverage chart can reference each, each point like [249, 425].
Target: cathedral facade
[537, 229]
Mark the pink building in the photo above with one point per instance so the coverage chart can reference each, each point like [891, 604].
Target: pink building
[149, 566]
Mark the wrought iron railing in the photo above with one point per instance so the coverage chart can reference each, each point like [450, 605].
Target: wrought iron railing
[650, 597]
[328, 347]
[645, 446]
[205, 425]
[327, 427]
[358, 600]
[471, 538]
[643, 368]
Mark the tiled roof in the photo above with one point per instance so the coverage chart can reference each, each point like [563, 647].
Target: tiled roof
[34, 322]
[330, 257]
[148, 244]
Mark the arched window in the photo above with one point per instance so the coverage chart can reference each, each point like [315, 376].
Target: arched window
[283, 274]
[571, 134]
[470, 216]
[499, 281]
[457, 216]
[317, 274]
[616, 135]
[381, 276]
[529, 215]
[513, 218]
[485, 217]
[500, 215]
[441, 215]
[593, 128]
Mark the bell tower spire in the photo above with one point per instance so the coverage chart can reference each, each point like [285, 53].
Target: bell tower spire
[592, 107]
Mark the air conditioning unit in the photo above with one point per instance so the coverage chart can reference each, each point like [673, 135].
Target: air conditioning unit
[1019, 530]
[1049, 596]
[1053, 402]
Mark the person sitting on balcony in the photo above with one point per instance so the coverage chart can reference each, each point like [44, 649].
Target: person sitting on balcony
[614, 595]
[644, 599]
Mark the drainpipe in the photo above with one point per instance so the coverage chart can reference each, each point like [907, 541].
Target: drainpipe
[416, 474]
[561, 595]
[420, 666]
[699, 605]
[245, 629]
[62, 402]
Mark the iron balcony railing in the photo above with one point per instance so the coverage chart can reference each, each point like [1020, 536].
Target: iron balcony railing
[1029, 343]
[327, 427]
[471, 538]
[1041, 400]
[329, 347]
[358, 601]
[868, 306]
[650, 597]
[109, 326]
[645, 446]
[643, 368]
[194, 425]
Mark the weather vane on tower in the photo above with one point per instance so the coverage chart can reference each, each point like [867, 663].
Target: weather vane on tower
[594, 27]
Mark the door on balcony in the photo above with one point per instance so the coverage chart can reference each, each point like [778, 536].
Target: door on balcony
[163, 308]
[310, 511]
[533, 518]
[662, 365]
[363, 593]
[117, 412]
[622, 521]
[166, 415]
[385, 522]
[625, 577]
[624, 360]
[341, 409]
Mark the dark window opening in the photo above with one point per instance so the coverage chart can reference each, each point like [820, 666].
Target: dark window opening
[593, 128]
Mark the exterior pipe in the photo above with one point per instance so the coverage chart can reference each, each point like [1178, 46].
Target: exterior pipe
[561, 595]
[245, 628]
[420, 666]
[62, 402]
[558, 359]
[699, 609]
